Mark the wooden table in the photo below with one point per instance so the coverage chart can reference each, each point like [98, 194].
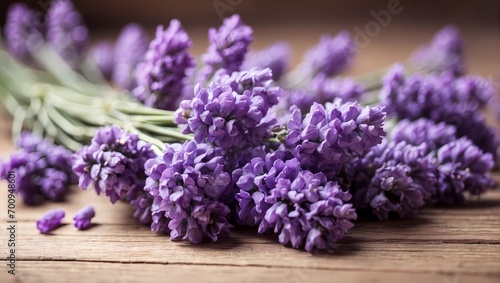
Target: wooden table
[446, 245]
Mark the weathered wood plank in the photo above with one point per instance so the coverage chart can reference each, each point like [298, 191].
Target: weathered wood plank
[63, 272]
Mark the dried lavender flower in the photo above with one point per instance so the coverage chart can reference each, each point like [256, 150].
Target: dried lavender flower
[102, 55]
[113, 163]
[82, 217]
[275, 57]
[330, 135]
[186, 183]
[23, 32]
[331, 56]
[50, 221]
[462, 167]
[66, 32]
[161, 76]
[393, 179]
[43, 170]
[228, 47]
[443, 53]
[232, 111]
[130, 47]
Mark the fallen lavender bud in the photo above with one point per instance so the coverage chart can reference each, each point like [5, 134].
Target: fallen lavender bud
[82, 217]
[50, 221]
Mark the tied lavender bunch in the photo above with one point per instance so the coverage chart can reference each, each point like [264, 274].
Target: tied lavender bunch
[303, 208]
[161, 76]
[186, 183]
[114, 164]
[43, 170]
[233, 111]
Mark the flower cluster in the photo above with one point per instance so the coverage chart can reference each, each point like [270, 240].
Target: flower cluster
[102, 55]
[275, 57]
[43, 170]
[302, 207]
[444, 53]
[23, 32]
[442, 98]
[424, 131]
[329, 135]
[161, 76]
[228, 47]
[114, 164]
[66, 32]
[186, 183]
[327, 89]
[462, 167]
[393, 179]
[232, 111]
[130, 47]
[331, 56]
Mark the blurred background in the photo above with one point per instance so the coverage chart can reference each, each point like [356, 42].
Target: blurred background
[302, 22]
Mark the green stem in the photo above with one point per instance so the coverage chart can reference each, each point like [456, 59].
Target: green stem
[168, 132]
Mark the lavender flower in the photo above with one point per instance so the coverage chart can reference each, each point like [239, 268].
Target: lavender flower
[424, 131]
[275, 57]
[42, 169]
[82, 217]
[50, 221]
[306, 210]
[330, 135]
[328, 89]
[444, 53]
[66, 31]
[130, 47]
[186, 183]
[331, 56]
[255, 181]
[228, 47]
[113, 163]
[442, 98]
[161, 75]
[393, 179]
[462, 168]
[23, 32]
[103, 57]
[232, 111]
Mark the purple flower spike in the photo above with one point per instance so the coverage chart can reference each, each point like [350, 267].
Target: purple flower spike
[186, 183]
[103, 57]
[130, 47]
[43, 170]
[444, 53]
[443, 98]
[328, 89]
[462, 168]
[421, 131]
[66, 31]
[394, 179]
[113, 163]
[228, 47]
[161, 76]
[275, 57]
[82, 217]
[331, 56]
[50, 221]
[232, 111]
[23, 32]
[328, 136]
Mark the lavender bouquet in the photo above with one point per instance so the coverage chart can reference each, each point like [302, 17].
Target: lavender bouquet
[240, 140]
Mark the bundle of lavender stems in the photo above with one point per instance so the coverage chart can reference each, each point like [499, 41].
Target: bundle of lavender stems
[239, 139]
